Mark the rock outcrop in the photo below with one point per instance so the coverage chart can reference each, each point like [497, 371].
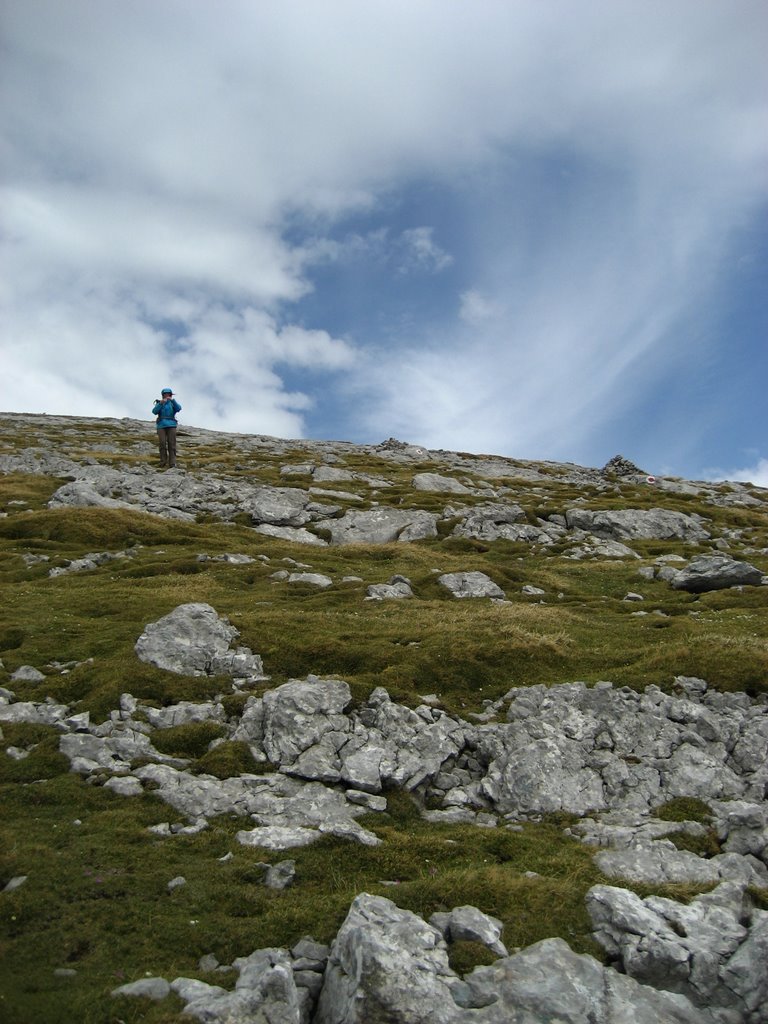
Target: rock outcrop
[388, 964]
[637, 523]
[608, 755]
[324, 764]
[713, 951]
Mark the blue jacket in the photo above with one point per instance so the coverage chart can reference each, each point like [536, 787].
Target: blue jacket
[166, 410]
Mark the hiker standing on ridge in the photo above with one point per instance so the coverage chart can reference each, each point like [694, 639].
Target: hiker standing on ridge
[165, 410]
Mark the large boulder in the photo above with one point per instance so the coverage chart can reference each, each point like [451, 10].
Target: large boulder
[381, 526]
[503, 521]
[386, 964]
[194, 640]
[548, 983]
[644, 524]
[715, 572]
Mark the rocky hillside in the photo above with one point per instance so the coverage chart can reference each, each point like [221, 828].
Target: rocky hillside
[315, 732]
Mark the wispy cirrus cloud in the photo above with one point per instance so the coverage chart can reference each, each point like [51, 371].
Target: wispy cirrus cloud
[543, 200]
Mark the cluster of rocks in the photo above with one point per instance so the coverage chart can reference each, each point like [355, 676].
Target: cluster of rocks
[619, 466]
[703, 963]
[286, 513]
[317, 512]
[610, 755]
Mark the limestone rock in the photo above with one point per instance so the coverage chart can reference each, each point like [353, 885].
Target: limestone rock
[279, 506]
[88, 753]
[388, 591]
[597, 748]
[305, 714]
[146, 988]
[332, 475]
[194, 640]
[502, 521]
[89, 562]
[662, 863]
[548, 982]
[650, 524]
[40, 713]
[715, 572]
[85, 494]
[381, 526]
[435, 482]
[295, 534]
[386, 964]
[712, 951]
[124, 785]
[15, 883]
[469, 924]
[287, 812]
[265, 991]
[742, 827]
[311, 579]
[277, 837]
[470, 584]
[184, 713]
[27, 674]
[594, 547]
[280, 876]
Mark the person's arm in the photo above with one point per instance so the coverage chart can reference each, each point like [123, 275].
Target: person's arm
[176, 406]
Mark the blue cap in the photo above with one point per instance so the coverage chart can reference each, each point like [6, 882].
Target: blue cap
[167, 391]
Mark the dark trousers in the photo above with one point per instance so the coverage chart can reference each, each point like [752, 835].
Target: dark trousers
[166, 437]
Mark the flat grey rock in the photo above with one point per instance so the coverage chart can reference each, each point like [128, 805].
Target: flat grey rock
[145, 988]
[381, 526]
[470, 584]
[436, 482]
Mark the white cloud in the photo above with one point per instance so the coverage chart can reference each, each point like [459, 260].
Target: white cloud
[756, 474]
[476, 309]
[420, 253]
[412, 251]
[174, 177]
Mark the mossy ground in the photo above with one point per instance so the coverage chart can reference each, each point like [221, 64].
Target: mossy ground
[96, 898]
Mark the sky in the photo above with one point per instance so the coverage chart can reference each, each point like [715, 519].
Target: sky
[532, 228]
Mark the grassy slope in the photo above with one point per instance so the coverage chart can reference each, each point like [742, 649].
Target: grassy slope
[96, 898]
